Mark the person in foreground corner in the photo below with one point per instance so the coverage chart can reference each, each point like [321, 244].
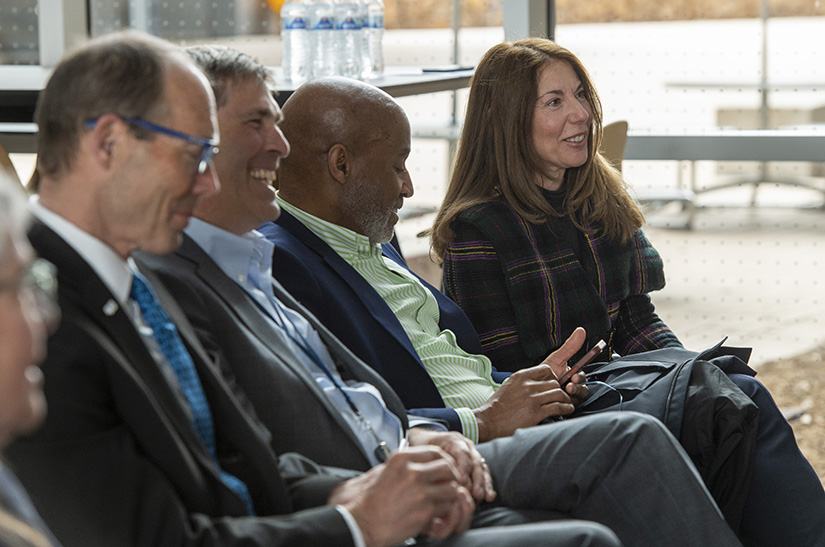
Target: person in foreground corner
[539, 236]
[145, 442]
[328, 254]
[320, 400]
[27, 311]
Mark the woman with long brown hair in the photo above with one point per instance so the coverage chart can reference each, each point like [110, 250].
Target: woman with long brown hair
[537, 232]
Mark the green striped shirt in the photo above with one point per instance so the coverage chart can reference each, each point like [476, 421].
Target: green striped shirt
[464, 380]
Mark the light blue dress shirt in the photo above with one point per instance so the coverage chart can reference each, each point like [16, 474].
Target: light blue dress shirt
[247, 260]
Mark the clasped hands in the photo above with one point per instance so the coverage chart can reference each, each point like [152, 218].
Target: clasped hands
[432, 487]
[428, 489]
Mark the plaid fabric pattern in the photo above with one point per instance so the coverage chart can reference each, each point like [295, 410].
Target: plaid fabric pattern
[526, 291]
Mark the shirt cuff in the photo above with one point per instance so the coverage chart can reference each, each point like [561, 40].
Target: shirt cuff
[355, 530]
[469, 425]
[426, 423]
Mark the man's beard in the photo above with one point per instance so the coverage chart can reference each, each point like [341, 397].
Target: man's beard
[361, 202]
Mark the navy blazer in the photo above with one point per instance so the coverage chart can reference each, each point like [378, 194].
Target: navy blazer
[347, 305]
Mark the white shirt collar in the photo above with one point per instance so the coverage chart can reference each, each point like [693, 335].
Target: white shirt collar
[115, 272]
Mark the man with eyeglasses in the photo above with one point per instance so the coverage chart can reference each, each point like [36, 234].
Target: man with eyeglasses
[146, 442]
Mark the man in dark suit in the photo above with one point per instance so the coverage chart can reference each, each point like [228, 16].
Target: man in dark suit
[146, 443]
[221, 277]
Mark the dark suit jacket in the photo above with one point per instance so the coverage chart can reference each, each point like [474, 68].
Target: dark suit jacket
[118, 461]
[348, 305]
[287, 399]
[16, 502]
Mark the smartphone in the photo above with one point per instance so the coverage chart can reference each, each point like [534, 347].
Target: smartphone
[586, 359]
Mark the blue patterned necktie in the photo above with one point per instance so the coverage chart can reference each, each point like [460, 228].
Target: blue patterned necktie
[171, 345]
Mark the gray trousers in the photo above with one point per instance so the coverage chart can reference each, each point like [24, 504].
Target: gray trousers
[623, 470]
[564, 533]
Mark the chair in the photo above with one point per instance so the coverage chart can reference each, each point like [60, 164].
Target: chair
[7, 166]
[614, 140]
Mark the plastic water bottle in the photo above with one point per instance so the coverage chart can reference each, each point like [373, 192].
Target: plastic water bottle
[362, 12]
[322, 21]
[296, 56]
[372, 39]
[348, 38]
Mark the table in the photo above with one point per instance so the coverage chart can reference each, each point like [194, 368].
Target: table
[727, 145]
[20, 88]
[763, 145]
[399, 81]
[18, 138]
[749, 86]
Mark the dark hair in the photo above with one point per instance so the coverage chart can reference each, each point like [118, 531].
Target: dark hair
[496, 149]
[121, 73]
[222, 64]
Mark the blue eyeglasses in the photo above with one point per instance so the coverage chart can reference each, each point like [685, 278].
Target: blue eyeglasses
[209, 145]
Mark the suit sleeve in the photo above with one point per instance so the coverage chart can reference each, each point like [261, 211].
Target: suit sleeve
[99, 474]
[474, 277]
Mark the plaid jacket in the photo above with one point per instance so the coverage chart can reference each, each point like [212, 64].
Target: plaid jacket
[526, 291]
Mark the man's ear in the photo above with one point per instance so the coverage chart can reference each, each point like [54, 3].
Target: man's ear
[106, 133]
[339, 163]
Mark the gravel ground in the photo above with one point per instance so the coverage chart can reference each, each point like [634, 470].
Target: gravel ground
[797, 385]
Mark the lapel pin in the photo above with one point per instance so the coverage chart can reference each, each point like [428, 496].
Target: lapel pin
[110, 307]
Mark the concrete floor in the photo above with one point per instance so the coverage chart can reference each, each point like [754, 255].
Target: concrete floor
[754, 275]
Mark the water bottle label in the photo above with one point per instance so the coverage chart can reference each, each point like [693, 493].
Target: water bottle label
[375, 20]
[349, 23]
[296, 23]
[324, 24]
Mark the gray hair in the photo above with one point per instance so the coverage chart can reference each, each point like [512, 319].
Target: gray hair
[222, 65]
[121, 73]
[14, 214]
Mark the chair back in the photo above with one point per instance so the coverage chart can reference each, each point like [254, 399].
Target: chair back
[614, 140]
[7, 166]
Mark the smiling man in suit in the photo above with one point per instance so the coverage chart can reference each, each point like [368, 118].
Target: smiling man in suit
[323, 402]
[146, 443]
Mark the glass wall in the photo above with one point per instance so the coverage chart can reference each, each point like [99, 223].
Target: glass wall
[18, 32]
[191, 20]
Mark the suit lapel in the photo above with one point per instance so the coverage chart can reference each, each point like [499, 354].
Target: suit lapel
[232, 420]
[249, 313]
[354, 367]
[372, 301]
[81, 286]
